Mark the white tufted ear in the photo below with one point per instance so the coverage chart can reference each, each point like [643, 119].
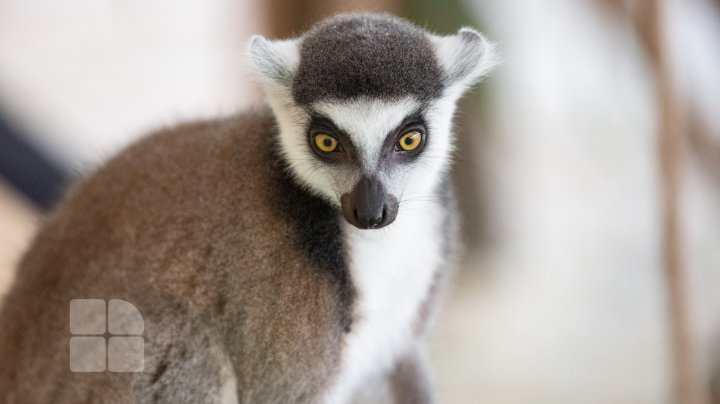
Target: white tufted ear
[275, 61]
[466, 57]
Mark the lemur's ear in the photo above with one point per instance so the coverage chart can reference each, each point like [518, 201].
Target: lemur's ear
[466, 57]
[276, 61]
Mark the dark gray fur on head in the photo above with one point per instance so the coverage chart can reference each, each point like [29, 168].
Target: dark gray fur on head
[366, 54]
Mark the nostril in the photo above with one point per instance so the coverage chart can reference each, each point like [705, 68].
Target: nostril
[371, 219]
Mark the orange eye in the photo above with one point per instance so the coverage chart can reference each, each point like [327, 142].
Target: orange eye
[410, 141]
[325, 143]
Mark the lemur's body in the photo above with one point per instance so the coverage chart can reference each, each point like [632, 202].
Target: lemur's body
[231, 243]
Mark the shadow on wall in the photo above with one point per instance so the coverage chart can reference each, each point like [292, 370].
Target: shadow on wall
[31, 172]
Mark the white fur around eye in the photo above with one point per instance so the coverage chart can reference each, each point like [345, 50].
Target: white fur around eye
[368, 121]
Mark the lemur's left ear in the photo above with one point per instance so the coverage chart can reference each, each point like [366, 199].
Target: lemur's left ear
[276, 61]
[466, 57]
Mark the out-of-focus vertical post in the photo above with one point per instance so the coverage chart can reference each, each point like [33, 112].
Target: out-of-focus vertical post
[689, 385]
[690, 388]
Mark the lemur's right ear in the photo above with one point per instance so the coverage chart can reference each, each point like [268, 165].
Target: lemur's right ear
[276, 61]
[465, 57]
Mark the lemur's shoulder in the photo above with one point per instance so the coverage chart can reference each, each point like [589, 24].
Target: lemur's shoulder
[187, 146]
[175, 162]
[163, 202]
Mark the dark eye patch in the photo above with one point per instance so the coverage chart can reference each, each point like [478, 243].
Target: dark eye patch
[391, 152]
[345, 152]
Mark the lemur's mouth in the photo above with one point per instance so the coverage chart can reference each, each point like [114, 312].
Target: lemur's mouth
[368, 205]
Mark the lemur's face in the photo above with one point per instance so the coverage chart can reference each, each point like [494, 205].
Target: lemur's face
[370, 155]
[364, 105]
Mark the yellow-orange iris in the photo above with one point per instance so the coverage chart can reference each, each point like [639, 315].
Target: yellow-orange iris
[410, 141]
[325, 143]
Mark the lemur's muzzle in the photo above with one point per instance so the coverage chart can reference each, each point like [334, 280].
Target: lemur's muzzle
[368, 205]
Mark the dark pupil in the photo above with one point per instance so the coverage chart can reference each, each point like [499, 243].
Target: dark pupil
[409, 140]
[327, 143]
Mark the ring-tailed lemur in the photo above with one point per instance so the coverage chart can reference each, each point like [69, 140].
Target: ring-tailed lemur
[282, 255]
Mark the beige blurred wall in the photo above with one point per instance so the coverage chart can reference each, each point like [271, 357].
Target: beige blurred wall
[568, 305]
[86, 77]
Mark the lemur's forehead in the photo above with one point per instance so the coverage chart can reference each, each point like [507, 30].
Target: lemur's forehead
[365, 117]
[366, 55]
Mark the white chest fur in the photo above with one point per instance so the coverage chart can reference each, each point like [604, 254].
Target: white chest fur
[392, 270]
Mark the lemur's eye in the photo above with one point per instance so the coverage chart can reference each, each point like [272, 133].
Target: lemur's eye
[410, 141]
[325, 143]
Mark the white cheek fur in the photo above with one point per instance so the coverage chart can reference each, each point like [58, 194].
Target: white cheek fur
[418, 179]
[303, 164]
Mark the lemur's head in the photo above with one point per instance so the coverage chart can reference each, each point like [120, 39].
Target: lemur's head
[364, 104]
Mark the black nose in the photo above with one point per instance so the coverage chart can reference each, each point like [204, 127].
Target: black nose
[369, 206]
[370, 218]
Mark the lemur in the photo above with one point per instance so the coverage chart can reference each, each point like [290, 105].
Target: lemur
[288, 254]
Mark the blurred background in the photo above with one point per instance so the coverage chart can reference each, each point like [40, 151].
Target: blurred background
[588, 169]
